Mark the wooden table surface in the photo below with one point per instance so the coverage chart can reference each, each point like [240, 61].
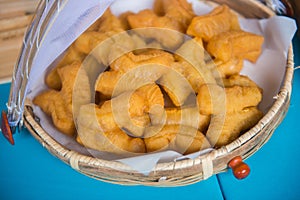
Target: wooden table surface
[15, 15]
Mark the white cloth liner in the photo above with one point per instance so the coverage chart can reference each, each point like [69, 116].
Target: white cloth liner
[268, 72]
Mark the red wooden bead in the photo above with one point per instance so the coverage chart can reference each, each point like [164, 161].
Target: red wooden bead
[5, 129]
[235, 161]
[239, 168]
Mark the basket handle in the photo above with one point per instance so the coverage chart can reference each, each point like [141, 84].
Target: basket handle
[283, 7]
[21, 72]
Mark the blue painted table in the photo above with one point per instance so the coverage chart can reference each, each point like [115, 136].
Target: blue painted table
[28, 171]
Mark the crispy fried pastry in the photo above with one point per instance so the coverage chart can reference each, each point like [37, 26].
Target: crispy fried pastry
[123, 19]
[164, 30]
[145, 102]
[106, 83]
[240, 80]
[109, 22]
[132, 118]
[176, 86]
[134, 115]
[185, 116]
[183, 139]
[220, 20]
[190, 57]
[146, 67]
[213, 99]
[167, 31]
[53, 104]
[91, 134]
[180, 10]
[114, 41]
[131, 60]
[191, 51]
[195, 76]
[87, 41]
[191, 61]
[232, 67]
[52, 78]
[235, 45]
[233, 124]
[59, 104]
[108, 26]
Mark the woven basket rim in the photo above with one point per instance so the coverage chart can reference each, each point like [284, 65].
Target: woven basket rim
[193, 166]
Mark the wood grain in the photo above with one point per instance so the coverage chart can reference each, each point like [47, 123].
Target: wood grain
[15, 16]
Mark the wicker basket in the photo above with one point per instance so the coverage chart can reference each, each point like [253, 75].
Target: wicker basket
[185, 171]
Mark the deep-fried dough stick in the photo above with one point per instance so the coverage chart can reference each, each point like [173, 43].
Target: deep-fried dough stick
[220, 20]
[236, 45]
[91, 134]
[59, 104]
[232, 125]
[236, 98]
[183, 139]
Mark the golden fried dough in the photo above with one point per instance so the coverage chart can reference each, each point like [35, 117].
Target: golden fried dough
[191, 51]
[52, 78]
[233, 125]
[191, 64]
[152, 97]
[146, 67]
[240, 80]
[59, 104]
[220, 20]
[180, 10]
[131, 111]
[213, 99]
[106, 82]
[132, 119]
[176, 86]
[185, 116]
[174, 15]
[235, 45]
[151, 105]
[108, 25]
[87, 41]
[190, 56]
[52, 103]
[91, 134]
[131, 60]
[183, 139]
[192, 74]
[108, 42]
[105, 47]
[109, 22]
[123, 19]
[231, 67]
